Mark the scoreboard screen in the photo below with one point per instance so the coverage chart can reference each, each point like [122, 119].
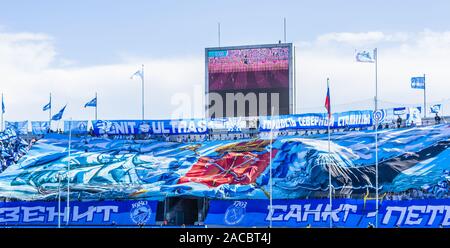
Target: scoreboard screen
[261, 72]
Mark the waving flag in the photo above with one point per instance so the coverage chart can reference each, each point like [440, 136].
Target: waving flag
[47, 106]
[435, 108]
[138, 73]
[328, 100]
[91, 103]
[364, 56]
[59, 115]
[418, 82]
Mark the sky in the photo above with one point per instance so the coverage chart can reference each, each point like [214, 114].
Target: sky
[74, 49]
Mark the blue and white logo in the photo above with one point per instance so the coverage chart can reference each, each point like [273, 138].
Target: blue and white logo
[82, 126]
[140, 212]
[379, 116]
[104, 126]
[144, 127]
[235, 213]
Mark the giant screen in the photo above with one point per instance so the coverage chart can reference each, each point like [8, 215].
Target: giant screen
[253, 77]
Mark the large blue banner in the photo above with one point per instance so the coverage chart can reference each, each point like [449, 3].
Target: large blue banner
[79, 213]
[39, 127]
[126, 127]
[77, 127]
[350, 119]
[21, 127]
[316, 212]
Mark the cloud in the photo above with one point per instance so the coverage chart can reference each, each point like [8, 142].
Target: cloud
[400, 56]
[25, 51]
[31, 67]
[361, 39]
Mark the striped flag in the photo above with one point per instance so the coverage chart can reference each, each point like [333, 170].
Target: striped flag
[328, 100]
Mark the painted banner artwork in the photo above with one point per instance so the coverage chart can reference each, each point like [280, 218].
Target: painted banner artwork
[415, 158]
[241, 164]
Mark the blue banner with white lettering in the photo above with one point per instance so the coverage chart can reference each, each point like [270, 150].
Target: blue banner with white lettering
[39, 127]
[77, 127]
[126, 127]
[21, 127]
[350, 119]
[80, 213]
[317, 213]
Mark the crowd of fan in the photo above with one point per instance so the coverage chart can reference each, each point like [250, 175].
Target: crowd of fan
[252, 56]
[12, 148]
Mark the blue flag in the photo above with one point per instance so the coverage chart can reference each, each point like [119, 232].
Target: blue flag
[47, 106]
[435, 108]
[59, 115]
[91, 103]
[3, 105]
[418, 82]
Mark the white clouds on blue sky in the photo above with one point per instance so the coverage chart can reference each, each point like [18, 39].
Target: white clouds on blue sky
[74, 50]
[30, 69]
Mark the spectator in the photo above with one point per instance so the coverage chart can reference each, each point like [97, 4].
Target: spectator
[399, 121]
[437, 119]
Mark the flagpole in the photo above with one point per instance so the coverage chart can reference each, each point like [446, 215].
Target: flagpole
[50, 114]
[59, 199]
[424, 97]
[376, 134]
[142, 78]
[2, 114]
[270, 169]
[68, 176]
[329, 160]
[218, 32]
[96, 104]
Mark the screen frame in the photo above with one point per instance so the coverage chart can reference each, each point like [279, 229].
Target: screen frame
[291, 70]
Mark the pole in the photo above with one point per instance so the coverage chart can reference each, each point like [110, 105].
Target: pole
[284, 27]
[376, 135]
[270, 171]
[424, 97]
[2, 115]
[218, 32]
[329, 161]
[59, 200]
[142, 92]
[68, 176]
[50, 114]
[96, 104]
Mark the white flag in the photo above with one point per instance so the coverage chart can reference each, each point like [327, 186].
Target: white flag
[364, 56]
[138, 73]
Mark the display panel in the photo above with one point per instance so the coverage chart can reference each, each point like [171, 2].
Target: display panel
[261, 73]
